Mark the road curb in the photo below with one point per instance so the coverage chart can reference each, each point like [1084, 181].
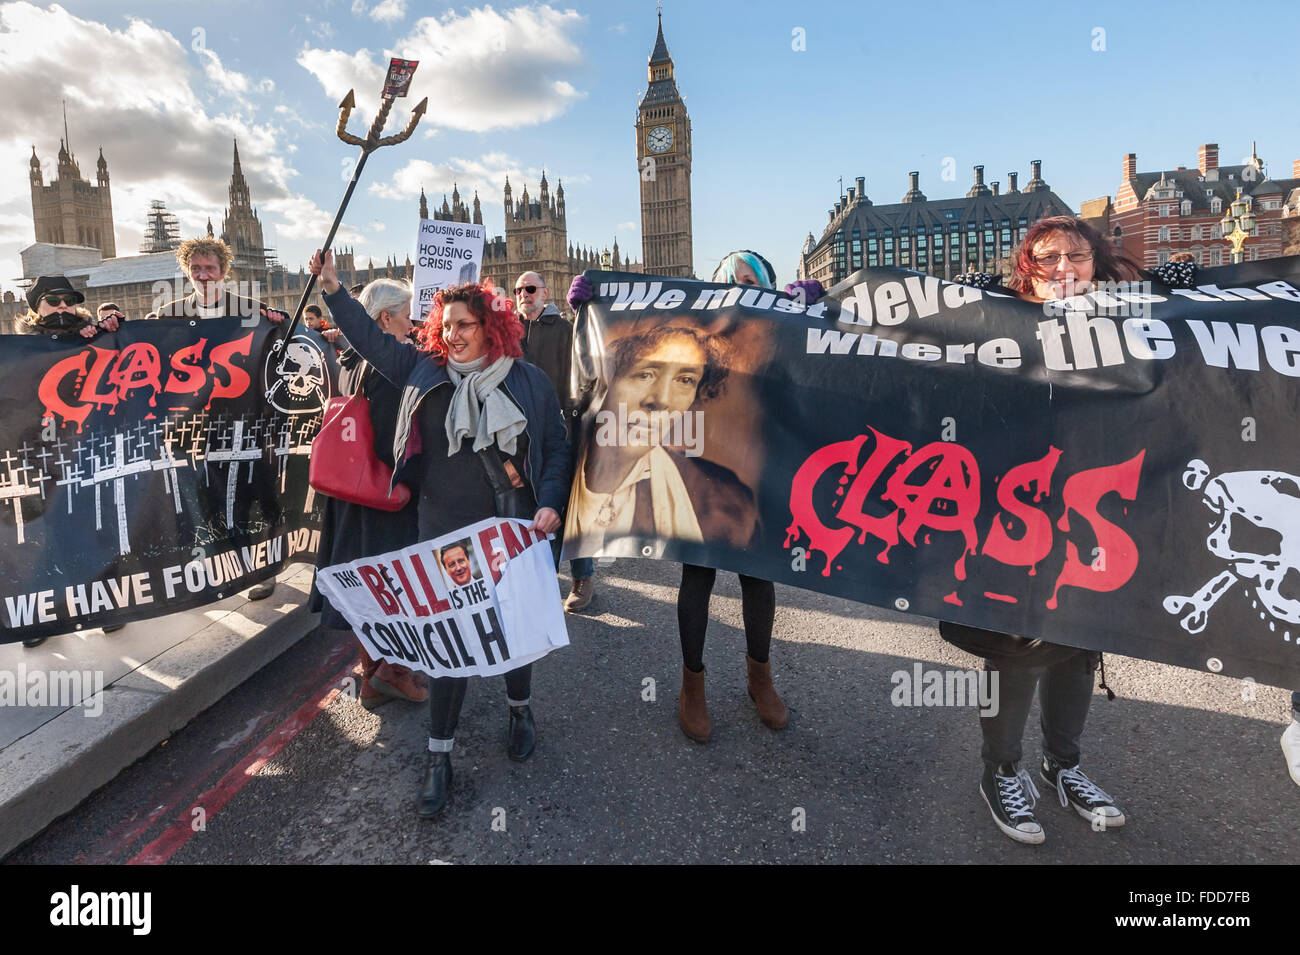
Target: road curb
[50, 771]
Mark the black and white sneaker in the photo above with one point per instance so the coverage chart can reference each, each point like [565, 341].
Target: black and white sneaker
[1011, 796]
[1088, 799]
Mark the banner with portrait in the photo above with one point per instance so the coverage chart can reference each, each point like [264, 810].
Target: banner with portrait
[1117, 471]
[155, 469]
[479, 601]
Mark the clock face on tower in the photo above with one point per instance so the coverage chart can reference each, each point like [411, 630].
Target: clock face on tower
[660, 139]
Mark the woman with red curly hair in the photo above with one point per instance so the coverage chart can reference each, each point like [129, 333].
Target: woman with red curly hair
[475, 412]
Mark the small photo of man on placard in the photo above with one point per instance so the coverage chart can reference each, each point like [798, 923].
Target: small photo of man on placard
[458, 563]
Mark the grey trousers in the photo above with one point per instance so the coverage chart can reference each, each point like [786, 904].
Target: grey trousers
[1062, 675]
[1064, 681]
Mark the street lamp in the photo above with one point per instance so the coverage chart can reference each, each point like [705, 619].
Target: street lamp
[1237, 225]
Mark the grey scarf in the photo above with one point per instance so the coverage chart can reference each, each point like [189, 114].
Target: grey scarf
[479, 408]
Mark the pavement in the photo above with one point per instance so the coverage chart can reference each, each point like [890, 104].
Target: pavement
[286, 768]
[125, 693]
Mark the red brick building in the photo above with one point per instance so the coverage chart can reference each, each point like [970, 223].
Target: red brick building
[1156, 214]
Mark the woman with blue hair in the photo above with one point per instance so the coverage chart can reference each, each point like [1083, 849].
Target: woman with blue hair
[758, 597]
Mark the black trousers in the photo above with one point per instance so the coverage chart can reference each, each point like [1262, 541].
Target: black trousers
[447, 696]
[758, 609]
[1062, 675]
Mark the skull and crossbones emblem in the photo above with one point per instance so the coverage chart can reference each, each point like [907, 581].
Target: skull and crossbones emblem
[300, 383]
[1255, 529]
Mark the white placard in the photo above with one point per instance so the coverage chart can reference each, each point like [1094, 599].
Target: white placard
[479, 601]
[446, 253]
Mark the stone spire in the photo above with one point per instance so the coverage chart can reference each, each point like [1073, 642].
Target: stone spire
[239, 197]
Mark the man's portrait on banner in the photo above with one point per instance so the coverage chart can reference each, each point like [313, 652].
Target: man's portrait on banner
[458, 563]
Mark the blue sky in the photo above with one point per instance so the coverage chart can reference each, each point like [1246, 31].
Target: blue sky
[880, 89]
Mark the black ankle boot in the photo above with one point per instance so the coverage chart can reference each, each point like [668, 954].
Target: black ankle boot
[437, 783]
[523, 733]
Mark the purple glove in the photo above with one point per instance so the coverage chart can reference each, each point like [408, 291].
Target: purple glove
[580, 291]
[806, 290]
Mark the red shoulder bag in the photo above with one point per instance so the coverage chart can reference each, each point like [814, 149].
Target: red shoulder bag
[343, 461]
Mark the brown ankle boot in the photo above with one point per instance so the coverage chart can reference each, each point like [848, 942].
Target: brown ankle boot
[692, 712]
[399, 683]
[770, 708]
[368, 666]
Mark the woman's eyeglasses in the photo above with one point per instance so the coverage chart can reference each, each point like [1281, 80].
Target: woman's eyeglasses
[56, 300]
[463, 328]
[1051, 258]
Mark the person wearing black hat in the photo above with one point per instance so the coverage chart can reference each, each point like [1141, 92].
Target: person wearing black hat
[54, 308]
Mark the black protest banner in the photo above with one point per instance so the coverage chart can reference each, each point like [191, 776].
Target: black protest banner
[1118, 471]
[152, 470]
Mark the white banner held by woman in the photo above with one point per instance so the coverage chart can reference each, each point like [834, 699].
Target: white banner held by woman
[479, 601]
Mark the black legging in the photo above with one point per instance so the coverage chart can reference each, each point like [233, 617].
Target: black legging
[758, 608]
[447, 695]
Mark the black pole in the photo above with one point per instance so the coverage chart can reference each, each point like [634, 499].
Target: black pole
[329, 241]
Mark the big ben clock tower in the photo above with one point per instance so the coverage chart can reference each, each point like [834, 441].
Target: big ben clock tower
[663, 152]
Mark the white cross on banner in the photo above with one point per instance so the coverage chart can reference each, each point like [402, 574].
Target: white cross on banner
[236, 453]
[117, 472]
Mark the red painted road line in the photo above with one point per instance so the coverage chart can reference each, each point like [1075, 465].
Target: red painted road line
[118, 841]
[173, 838]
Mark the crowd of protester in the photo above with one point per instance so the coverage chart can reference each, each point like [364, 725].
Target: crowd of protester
[482, 372]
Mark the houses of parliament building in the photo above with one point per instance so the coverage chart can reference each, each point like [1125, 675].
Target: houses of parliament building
[73, 224]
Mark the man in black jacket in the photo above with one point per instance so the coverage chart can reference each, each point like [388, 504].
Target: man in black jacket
[206, 262]
[548, 344]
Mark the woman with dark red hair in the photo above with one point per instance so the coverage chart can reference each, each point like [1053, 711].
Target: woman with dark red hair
[1062, 256]
[466, 390]
[1059, 257]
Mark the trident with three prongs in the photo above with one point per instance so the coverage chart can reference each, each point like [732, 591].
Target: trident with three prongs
[395, 85]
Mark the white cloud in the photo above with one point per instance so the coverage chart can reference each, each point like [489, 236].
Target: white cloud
[389, 11]
[302, 217]
[337, 72]
[321, 29]
[487, 175]
[627, 227]
[159, 138]
[359, 7]
[483, 69]
[230, 81]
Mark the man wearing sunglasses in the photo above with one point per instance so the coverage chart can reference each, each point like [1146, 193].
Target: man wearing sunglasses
[548, 344]
[54, 308]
